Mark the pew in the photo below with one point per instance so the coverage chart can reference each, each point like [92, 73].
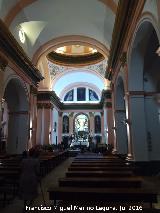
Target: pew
[101, 182]
[98, 173]
[123, 195]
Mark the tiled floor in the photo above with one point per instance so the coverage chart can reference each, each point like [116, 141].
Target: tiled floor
[52, 178]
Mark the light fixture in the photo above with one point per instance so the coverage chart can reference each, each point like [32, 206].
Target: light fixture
[21, 34]
[60, 50]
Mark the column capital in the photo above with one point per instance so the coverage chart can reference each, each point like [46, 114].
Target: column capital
[33, 90]
[91, 113]
[71, 114]
[3, 63]
[44, 105]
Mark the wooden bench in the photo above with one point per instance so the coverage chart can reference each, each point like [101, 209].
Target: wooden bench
[97, 168]
[103, 194]
[101, 182]
[98, 173]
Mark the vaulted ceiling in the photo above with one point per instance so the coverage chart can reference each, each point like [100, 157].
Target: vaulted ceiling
[45, 21]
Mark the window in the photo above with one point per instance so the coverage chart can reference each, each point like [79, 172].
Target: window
[65, 124]
[69, 96]
[81, 94]
[93, 96]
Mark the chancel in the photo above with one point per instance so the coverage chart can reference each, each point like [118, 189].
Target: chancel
[79, 104]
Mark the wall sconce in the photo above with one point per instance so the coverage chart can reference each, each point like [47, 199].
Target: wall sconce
[114, 128]
[126, 121]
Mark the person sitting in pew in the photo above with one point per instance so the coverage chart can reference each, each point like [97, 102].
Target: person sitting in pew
[29, 179]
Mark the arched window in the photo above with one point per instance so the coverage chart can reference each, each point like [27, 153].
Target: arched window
[69, 96]
[65, 124]
[81, 94]
[93, 96]
[97, 124]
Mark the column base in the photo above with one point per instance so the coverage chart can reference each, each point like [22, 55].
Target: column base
[129, 157]
[114, 152]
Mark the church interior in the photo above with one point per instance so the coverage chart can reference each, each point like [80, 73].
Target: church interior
[79, 85]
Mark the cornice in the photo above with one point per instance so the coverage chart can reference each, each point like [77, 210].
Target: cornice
[10, 47]
[127, 14]
[50, 96]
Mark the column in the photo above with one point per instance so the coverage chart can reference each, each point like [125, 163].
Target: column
[60, 127]
[109, 115]
[71, 123]
[44, 122]
[3, 64]
[136, 126]
[33, 115]
[91, 118]
[121, 131]
[102, 127]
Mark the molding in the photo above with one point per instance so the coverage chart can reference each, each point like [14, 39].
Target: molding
[51, 45]
[106, 95]
[41, 105]
[51, 97]
[33, 90]
[128, 13]
[10, 47]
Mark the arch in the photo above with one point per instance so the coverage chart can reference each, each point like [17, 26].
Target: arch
[69, 71]
[18, 116]
[68, 40]
[143, 80]
[23, 84]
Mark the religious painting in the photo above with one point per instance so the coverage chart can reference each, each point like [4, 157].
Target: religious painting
[81, 94]
[65, 124]
[93, 96]
[69, 96]
[97, 123]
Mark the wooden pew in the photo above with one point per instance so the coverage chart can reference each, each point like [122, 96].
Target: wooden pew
[98, 168]
[101, 182]
[98, 173]
[123, 195]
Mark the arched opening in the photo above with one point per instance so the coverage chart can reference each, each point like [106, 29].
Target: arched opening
[120, 118]
[16, 117]
[144, 79]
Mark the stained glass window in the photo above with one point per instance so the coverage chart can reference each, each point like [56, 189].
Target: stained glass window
[97, 123]
[81, 94]
[69, 96]
[65, 124]
[93, 96]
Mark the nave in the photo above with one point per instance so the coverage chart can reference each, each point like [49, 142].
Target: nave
[95, 181]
